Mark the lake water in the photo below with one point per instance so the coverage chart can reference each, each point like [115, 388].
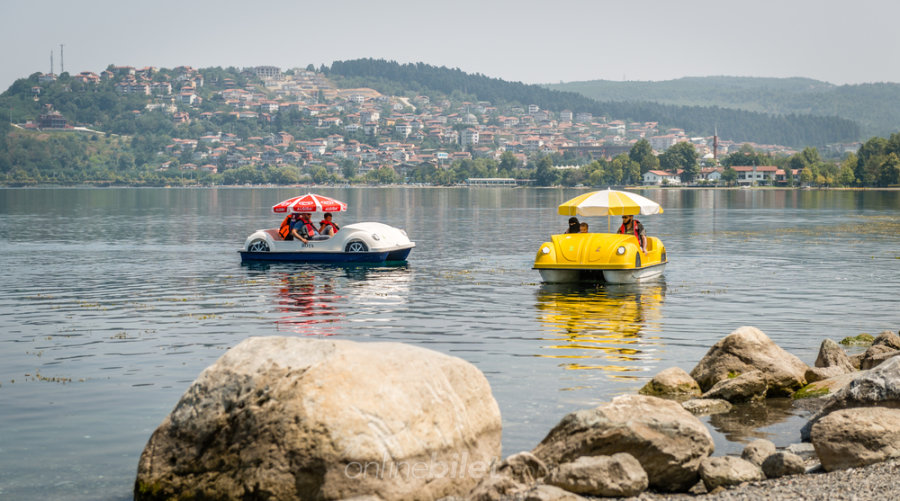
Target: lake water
[113, 300]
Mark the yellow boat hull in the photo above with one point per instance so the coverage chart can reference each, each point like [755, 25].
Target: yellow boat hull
[607, 257]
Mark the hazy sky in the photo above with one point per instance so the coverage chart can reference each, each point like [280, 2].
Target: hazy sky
[523, 40]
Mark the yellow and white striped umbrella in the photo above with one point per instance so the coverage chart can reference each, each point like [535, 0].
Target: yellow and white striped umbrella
[609, 203]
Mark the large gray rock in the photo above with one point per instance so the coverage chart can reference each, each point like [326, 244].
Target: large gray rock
[704, 406]
[512, 478]
[745, 350]
[832, 355]
[814, 374]
[671, 382]
[758, 450]
[667, 440]
[876, 355]
[744, 388]
[619, 475]
[725, 471]
[878, 387]
[887, 338]
[783, 463]
[850, 438]
[291, 418]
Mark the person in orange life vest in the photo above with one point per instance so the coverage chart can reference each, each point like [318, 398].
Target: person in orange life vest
[630, 225]
[303, 229]
[327, 227]
[286, 225]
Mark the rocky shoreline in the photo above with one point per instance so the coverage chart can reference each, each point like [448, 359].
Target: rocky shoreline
[289, 418]
[876, 482]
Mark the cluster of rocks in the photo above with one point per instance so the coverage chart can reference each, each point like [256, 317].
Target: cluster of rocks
[287, 418]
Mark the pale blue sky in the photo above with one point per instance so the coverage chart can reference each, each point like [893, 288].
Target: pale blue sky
[524, 40]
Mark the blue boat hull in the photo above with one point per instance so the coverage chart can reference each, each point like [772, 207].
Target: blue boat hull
[327, 257]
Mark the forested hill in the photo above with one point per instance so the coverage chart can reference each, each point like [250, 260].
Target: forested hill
[797, 130]
[875, 106]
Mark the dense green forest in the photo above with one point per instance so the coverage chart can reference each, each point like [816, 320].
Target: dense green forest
[793, 129]
[874, 106]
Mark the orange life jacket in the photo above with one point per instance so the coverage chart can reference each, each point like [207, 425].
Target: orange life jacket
[285, 229]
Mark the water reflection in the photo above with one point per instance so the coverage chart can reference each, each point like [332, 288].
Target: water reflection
[307, 301]
[611, 328]
[318, 299]
[749, 421]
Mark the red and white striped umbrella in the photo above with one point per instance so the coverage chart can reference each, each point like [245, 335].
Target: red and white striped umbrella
[309, 203]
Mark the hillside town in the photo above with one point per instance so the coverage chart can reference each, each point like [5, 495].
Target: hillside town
[370, 131]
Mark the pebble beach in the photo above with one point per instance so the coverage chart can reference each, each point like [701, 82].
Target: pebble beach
[877, 482]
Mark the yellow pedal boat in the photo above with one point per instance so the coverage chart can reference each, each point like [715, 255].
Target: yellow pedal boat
[602, 257]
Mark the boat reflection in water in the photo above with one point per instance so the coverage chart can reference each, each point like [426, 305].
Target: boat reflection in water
[611, 328]
[308, 303]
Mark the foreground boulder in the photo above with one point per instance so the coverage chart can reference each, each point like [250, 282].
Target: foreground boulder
[745, 350]
[289, 418]
[727, 471]
[851, 438]
[619, 475]
[668, 441]
[878, 387]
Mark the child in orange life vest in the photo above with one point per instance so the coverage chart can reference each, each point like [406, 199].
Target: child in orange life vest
[286, 225]
[327, 227]
[633, 226]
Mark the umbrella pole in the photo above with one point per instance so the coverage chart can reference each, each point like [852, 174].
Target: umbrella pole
[608, 227]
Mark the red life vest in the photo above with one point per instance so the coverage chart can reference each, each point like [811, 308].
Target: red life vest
[329, 223]
[634, 226]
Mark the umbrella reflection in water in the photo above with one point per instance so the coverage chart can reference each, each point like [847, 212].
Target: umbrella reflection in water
[309, 304]
[603, 328]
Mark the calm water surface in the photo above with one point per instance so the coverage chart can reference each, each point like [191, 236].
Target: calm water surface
[113, 300]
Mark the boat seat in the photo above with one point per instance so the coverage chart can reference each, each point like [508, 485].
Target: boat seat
[273, 232]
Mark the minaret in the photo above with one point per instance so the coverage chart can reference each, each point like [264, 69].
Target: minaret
[51, 61]
[716, 145]
[62, 67]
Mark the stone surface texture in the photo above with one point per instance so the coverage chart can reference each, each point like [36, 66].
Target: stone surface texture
[850, 438]
[291, 418]
[726, 471]
[618, 475]
[832, 355]
[668, 441]
[745, 350]
[743, 388]
[783, 463]
[757, 451]
[671, 382]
